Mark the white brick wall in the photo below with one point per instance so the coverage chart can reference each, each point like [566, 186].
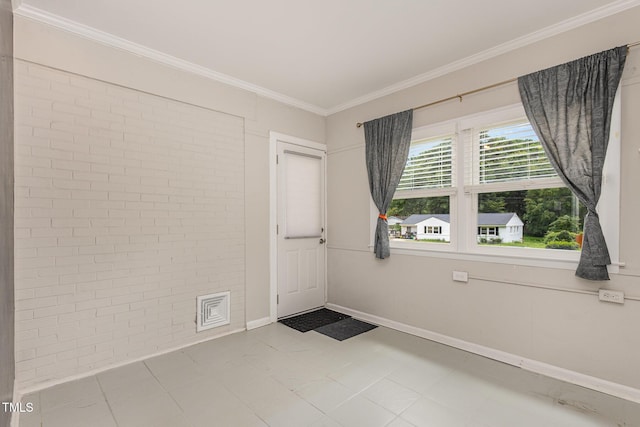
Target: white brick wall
[128, 206]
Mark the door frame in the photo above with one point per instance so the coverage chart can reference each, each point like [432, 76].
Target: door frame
[274, 137]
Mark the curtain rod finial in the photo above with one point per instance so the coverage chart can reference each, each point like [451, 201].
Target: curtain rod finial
[358, 125]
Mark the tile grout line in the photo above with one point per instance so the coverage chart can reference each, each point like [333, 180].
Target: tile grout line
[107, 401]
[197, 364]
[144, 362]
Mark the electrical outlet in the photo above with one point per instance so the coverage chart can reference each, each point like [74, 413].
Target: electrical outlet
[460, 276]
[611, 296]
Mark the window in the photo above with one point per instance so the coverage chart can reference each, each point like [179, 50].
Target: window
[538, 207]
[487, 231]
[531, 218]
[483, 184]
[429, 227]
[432, 230]
[423, 197]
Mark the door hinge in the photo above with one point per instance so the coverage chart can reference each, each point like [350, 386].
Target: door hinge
[278, 299]
[277, 229]
[277, 159]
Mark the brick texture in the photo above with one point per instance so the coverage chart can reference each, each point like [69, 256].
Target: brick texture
[127, 206]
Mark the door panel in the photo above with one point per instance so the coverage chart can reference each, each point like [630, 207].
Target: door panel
[292, 284]
[301, 216]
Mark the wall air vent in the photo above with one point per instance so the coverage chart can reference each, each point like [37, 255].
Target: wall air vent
[213, 310]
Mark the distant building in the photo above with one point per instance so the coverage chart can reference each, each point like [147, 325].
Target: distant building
[506, 226]
[427, 226]
[394, 220]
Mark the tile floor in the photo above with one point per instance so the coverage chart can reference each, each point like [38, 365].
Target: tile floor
[276, 376]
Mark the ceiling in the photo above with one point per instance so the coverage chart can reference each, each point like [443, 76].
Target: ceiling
[323, 56]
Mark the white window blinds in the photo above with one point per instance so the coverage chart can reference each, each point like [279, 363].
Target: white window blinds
[429, 165]
[511, 152]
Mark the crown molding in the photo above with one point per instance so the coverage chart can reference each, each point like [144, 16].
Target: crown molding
[36, 14]
[39, 15]
[550, 31]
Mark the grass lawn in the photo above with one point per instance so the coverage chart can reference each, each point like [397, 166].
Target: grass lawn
[529, 242]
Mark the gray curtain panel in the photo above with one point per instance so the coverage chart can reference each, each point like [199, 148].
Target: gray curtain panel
[387, 147]
[569, 107]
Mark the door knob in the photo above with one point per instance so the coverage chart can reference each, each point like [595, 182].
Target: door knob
[322, 241]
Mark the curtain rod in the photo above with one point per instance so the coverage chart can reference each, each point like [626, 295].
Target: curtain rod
[471, 92]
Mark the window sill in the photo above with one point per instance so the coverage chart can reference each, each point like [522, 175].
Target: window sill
[567, 261]
[558, 259]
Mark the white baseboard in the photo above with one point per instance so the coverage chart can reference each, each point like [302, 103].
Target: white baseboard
[587, 381]
[258, 323]
[46, 384]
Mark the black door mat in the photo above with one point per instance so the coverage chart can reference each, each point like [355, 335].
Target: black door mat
[344, 329]
[314, 319]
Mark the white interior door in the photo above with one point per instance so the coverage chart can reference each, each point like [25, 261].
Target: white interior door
[300, 228]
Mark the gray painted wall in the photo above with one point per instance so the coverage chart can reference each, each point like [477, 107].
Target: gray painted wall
[569, 330]
[7, 362]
